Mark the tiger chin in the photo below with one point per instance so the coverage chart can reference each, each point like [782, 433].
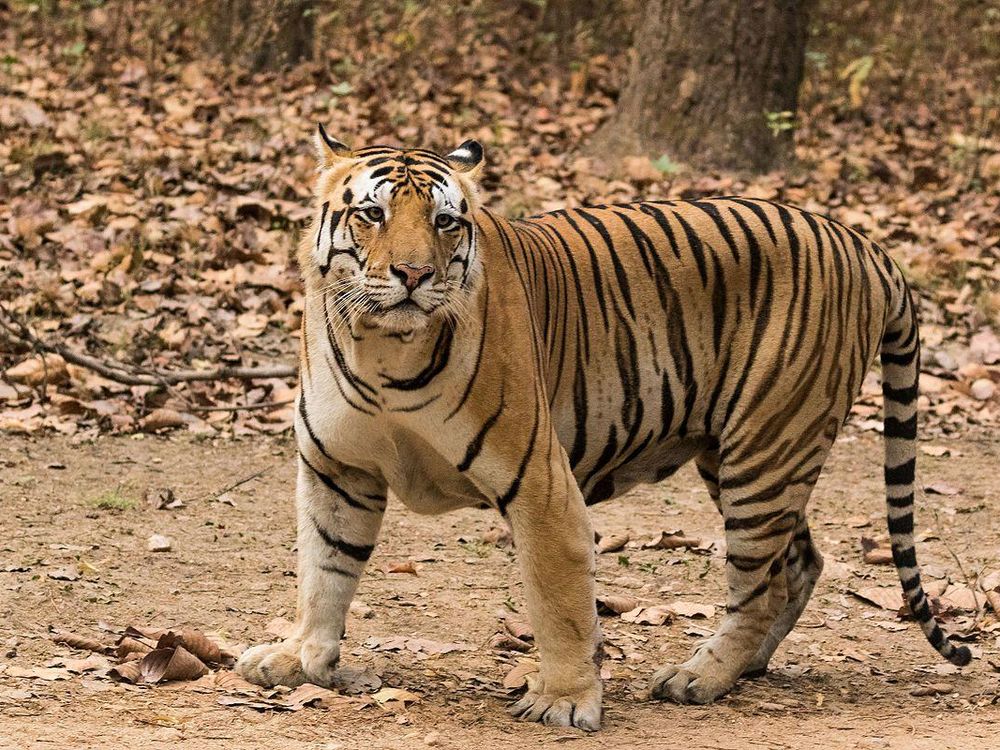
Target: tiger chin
[458, 358]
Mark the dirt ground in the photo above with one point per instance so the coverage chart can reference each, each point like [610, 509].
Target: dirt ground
[843, 678]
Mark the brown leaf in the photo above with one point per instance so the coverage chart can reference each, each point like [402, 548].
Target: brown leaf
[507, 642]
[616, 604]
[961, 597]
[129, 645]
[692, 609]
[941, 488]
[875, 554]
[612, 543]
[49, 674]
[169, 664]
[390, 695]
[65, 573]
[886, 598]
[162, 419]
[672, 540]
[658, 615]
[936, 688]
[519, 629]
[224, 679]
[82, 642]
[37, 370]
[199, 644]
[403, 567]
[128, 671]
[356, 680]
[517, 677]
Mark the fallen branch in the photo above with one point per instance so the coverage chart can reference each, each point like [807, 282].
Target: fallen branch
[126, 375]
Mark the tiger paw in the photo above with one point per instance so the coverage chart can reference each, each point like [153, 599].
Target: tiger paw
[291, 662]
[580, 709]
[690, 683]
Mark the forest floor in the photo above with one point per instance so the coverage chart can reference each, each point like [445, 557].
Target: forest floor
[851, 674]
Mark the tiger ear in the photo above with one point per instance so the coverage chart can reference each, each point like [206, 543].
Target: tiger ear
[329, 150]
[467, 158]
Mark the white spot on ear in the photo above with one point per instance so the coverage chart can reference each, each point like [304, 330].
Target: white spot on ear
[461, 154]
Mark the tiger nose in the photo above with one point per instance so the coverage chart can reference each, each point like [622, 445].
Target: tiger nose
[411, 275]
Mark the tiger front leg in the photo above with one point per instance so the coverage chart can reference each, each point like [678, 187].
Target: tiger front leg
[339, 516]
[555, 549]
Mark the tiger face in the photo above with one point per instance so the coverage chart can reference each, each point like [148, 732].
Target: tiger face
[393, 242]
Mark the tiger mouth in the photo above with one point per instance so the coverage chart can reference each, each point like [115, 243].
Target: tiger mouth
[403, 306]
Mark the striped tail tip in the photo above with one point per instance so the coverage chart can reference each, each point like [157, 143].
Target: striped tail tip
[960, 656]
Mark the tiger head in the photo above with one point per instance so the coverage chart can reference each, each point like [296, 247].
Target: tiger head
[393, 242]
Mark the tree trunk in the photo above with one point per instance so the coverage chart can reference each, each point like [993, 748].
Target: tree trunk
[265, 34]
[292, 39]
[713, 83]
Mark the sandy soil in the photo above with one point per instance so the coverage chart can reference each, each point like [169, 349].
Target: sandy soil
[842, 679]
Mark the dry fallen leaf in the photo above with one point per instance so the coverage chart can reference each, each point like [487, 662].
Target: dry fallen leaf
[507, 642]
[941, 488]
[519, 629]
[516, 678]
[874, 553]
[672, 540]
[395, 695]
[49, 674]
[82, 642]
[658, 615]
[403, 567]
[616, 604]
[612, 543]
[65, 573]
[886, 598]
[169, 664]
[692, 609]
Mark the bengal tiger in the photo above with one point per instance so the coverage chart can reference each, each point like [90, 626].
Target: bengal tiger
[541, 365]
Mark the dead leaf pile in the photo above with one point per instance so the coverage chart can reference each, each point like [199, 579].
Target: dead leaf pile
[152, 199]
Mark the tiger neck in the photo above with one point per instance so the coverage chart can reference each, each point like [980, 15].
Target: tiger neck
[391, 361]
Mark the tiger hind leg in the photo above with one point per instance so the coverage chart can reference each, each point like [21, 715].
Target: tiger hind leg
[760, 523]
[803, 566]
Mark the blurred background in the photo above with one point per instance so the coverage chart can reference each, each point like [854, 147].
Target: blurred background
[156, 165]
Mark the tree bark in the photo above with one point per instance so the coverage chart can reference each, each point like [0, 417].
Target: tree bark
[713, 83]
[266, 34]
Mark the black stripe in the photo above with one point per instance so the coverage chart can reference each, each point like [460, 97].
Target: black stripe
[359, 552]
[477, 442]
[438, 361]
[905, 395]
[906, 429]
[338, 490]
[901, 502]
[902, 474]
[506, 498]
[901, 524]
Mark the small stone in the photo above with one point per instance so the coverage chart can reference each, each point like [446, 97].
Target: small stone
[983, 389]
[158, 543]
[432, 739]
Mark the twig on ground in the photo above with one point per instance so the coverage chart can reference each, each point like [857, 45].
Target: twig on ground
[247, 407]
[239, 483]
[126, 375]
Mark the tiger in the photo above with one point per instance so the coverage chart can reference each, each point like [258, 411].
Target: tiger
[541, 365]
